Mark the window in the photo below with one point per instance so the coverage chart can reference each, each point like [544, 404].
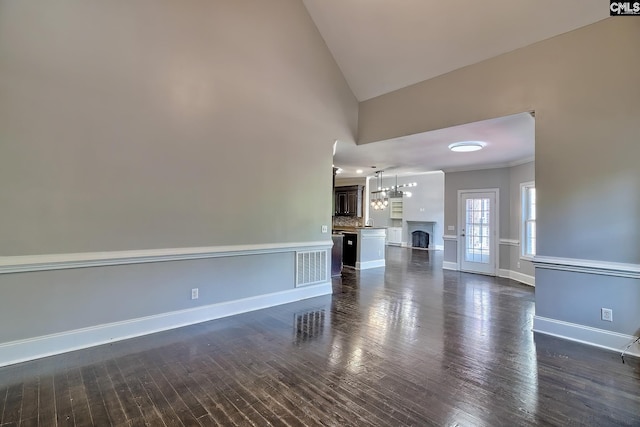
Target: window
[528, 242]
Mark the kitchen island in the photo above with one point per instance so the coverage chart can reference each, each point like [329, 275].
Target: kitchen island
[363, 247]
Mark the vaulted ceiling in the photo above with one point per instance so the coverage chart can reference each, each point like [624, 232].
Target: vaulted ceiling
[383, 45]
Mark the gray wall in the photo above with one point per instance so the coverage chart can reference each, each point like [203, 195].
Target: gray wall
[129, 125]
[473, 180]
[144, 125]
[583, 88]
[45, 302]
[620, 294]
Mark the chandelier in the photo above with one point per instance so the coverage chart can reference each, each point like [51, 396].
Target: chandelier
[380, 197]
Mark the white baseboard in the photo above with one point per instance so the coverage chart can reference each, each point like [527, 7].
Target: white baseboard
[585, 334]
[517, 276]
[49, 345]
[370, 264]
[523, 278]
[448, 265]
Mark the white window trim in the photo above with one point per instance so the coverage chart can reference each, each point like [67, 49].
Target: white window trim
[523, 240]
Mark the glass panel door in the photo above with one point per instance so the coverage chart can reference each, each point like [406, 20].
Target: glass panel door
[477, 237]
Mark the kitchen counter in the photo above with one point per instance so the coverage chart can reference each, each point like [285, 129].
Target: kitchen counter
[364, 247]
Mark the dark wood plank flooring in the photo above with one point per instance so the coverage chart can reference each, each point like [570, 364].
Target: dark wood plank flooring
[407, 345]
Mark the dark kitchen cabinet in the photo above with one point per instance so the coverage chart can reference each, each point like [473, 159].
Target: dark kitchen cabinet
[348, 200]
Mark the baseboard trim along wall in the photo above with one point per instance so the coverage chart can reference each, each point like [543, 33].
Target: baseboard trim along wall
[448, 265]
[605, 268]
[517, 276]
[27, 263]
[43, 346]
[586, 335]
[370, 264]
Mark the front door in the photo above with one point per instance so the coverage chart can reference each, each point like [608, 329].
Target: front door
[477, 241]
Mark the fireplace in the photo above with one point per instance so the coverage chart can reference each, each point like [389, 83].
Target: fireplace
[419, 239]
[420, 234]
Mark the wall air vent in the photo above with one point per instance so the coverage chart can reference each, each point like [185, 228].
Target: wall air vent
[311, 267]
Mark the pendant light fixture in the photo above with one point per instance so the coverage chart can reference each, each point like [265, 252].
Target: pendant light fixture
[380, 197]
[397, 193]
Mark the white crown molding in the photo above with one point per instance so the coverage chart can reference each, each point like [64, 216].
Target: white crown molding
[522, 161]
[451, 237]
[605, 268]
[586, 335]
[471, 168]
[48, 345]
[27, 263]
[510, 242]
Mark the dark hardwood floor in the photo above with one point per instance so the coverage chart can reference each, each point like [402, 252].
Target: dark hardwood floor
[407, 345]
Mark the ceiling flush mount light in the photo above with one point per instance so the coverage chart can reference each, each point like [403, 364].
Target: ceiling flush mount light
[467, 146]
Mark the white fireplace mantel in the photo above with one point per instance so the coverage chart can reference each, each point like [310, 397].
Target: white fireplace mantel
[412, 226]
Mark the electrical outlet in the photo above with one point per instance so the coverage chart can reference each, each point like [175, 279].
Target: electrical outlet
[518, 264]
[606, 314]
[325, 229]
[194, 293]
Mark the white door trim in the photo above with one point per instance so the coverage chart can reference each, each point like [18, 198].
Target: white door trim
[494, 242]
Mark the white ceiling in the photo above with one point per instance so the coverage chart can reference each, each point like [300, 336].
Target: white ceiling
[383, 45]
[510, 141]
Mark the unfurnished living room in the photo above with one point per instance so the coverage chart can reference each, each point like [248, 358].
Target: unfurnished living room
[172, 241]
